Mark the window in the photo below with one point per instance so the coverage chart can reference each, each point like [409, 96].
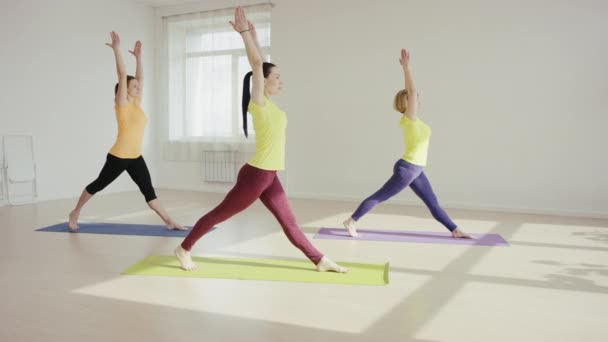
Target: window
[206, 63]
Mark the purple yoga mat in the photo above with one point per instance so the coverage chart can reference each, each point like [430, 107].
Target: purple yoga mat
[410, 236]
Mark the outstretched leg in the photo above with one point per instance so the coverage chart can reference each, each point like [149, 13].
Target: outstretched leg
[422, 187]
[403, 174]
[111, 169]
[250, 184]
[275, 200]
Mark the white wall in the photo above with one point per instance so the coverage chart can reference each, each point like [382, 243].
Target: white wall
[511, 89]
[512, 92]
[57, 84]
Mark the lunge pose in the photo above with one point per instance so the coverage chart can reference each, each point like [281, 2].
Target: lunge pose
[409, 170]
[125, 155]
[258, 178]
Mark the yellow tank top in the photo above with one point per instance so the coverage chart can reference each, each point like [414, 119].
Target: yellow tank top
[269, 123]
[416, 135]
[131, 122]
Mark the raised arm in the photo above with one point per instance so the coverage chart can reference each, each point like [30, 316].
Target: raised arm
[139, 72]
[121, 71]
[241, 25]
[412, 94]
[256, 40]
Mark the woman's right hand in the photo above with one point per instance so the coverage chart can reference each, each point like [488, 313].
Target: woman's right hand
[115, 41]
[254, 34]
[404, 60]
[240, 23]
[136, 50]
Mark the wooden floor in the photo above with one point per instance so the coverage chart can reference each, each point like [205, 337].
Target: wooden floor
[550, 284]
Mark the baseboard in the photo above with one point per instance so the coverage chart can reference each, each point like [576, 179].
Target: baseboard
[462, 206]
[197, 187]
[417, 203]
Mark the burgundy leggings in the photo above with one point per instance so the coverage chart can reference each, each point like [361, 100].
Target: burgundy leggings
[253, 183]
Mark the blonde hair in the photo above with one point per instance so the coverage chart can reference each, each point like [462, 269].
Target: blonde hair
[399, 103]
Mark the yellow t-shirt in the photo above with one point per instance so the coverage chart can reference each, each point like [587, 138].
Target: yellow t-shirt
[416, 135]
[269, 123]
[131, 124]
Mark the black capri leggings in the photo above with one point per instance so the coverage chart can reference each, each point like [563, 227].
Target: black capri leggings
[114, 166]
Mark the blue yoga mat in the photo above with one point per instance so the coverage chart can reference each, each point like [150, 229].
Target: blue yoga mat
[117, 229]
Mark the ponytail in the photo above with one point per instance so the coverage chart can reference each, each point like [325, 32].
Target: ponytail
[266, 69]
[246, 98]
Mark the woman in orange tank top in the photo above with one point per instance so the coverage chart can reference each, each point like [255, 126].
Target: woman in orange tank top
[125, 154]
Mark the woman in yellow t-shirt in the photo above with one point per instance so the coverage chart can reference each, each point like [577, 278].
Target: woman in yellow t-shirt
[408, 171]
[258, 178]
[125, 154]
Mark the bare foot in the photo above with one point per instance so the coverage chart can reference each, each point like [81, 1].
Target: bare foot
[457, 233]
[73, 223]
[184, 259]
[327, 265]
[174, 226]
[350, 226]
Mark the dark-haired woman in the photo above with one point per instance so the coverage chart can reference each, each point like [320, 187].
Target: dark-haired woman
[258, 178]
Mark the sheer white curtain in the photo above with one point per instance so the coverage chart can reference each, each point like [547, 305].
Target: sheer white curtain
[204, 62]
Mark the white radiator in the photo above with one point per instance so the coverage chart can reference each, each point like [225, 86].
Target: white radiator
[219, 166]
[223, 166]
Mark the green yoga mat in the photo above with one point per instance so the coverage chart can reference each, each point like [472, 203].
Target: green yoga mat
[261, 269]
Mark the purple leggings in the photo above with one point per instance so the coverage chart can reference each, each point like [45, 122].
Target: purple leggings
[405, 174]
